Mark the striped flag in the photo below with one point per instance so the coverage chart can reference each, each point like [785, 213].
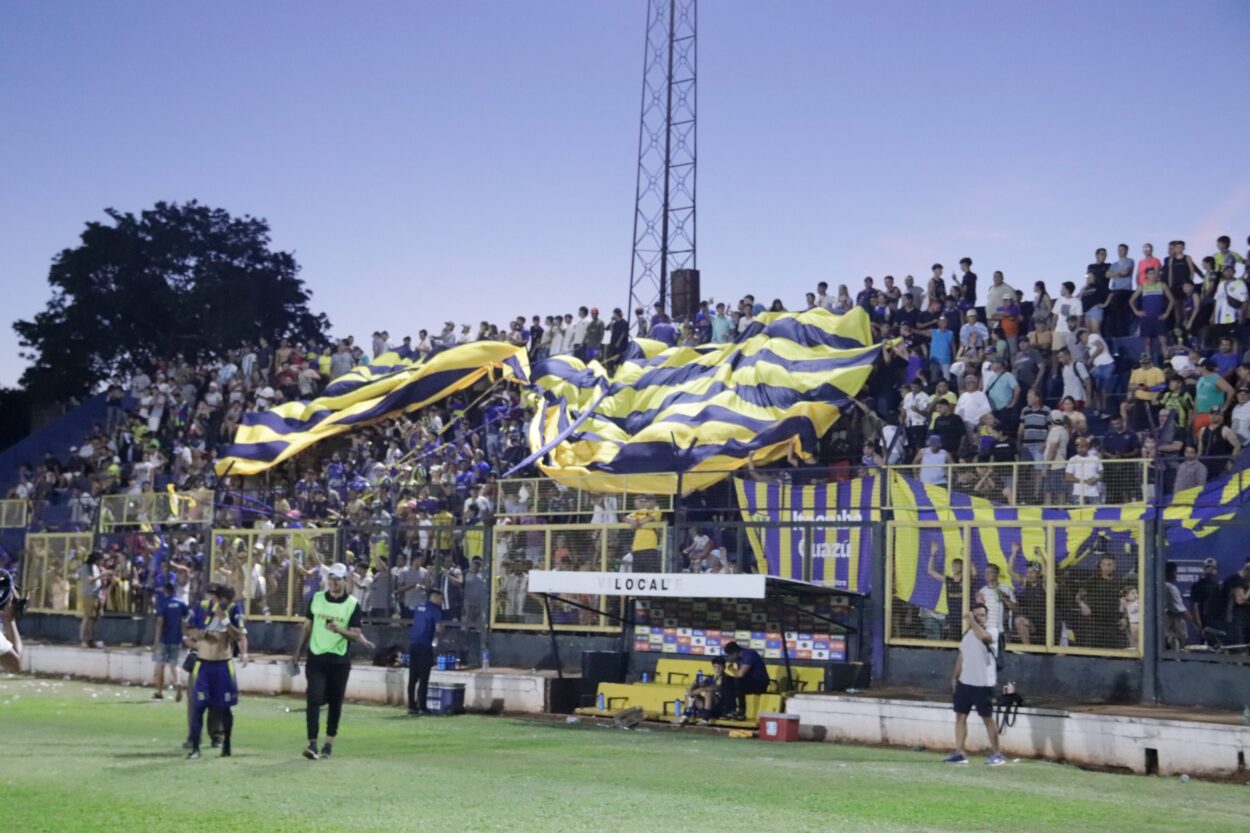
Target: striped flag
[393, 384]
[704, 411]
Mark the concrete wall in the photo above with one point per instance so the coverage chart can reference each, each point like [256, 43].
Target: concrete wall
[1076, 737]
[484, 691]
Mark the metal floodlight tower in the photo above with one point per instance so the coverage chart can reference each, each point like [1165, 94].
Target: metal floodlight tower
[664, 205]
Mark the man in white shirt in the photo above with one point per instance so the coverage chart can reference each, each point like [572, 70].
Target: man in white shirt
[10, 639]
[998, 599]
[1084, 472]
[823, 298]
[1230, 302]
[577, 332]
[972, 404]
[973, 681]
[1066, 306]
[916, 414]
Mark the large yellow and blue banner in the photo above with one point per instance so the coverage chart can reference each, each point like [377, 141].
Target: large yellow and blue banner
[683, 418]
[1195, 526]
[832, 523]
[392, 384]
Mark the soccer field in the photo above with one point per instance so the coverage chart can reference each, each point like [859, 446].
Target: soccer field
[88, 757]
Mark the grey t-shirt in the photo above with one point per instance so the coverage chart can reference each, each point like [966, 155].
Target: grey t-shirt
[979, 667]
[380, 590]
[419, 576]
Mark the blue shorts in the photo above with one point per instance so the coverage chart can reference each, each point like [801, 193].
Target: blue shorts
[215, 686]
[1094, 314]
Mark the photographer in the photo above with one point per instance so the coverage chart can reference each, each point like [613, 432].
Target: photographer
[973, 681]
[10, 639]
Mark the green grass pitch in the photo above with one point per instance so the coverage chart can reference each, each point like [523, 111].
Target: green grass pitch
[87, 757]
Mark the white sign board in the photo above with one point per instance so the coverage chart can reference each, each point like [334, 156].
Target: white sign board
[673, 585]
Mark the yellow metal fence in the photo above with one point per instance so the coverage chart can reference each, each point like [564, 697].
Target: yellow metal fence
[152, 508]
[543, 497]
[1054, 587]
[1058, 484]
[519, 548]
[50, 575]
[14, 514]
[273, 572]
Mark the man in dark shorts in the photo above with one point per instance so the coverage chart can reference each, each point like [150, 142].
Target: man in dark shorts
[750, 677]
[973, 682]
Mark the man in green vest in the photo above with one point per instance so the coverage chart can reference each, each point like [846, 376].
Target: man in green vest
[332, 620]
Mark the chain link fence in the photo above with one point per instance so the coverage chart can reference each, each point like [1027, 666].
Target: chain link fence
[51, 573]
[1052, 587]
[518, 548]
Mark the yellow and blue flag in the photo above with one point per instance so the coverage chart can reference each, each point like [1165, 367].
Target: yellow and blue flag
[690, 416]
[392, 384]
[829, 524]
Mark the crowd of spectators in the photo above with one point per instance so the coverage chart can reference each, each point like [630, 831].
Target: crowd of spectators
[1137, 359]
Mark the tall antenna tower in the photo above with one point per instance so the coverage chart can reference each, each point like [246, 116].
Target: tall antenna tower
[664, 205]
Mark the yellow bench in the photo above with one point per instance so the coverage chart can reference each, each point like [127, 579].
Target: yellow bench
[685, 671]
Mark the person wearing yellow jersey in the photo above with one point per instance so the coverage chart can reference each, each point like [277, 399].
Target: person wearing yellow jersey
[332, 620]
[645, 550]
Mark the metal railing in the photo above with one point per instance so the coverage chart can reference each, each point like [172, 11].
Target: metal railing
[14, 514]
[273, 572]
[156, 508]
[1052, 587]
[518, 548]
[548, 499]
[51, 566]
[1059, 484]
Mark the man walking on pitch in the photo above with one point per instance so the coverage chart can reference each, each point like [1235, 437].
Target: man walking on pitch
[171, 612]
[427, 624]
[973, 682]
[217, 625]
[332, 620]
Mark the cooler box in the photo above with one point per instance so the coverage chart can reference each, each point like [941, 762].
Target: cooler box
[783, 728]
[445, 698]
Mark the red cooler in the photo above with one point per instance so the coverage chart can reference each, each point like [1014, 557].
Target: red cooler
[783, 728]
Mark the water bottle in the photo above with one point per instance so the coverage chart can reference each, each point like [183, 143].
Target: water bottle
[698, 679]
[603, 706]
[646, 678]
[405, 658]
[677, 707]
[485, 660]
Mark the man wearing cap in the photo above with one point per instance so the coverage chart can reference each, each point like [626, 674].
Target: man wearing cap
[427, 625]
[1204, 597]
[333, 619]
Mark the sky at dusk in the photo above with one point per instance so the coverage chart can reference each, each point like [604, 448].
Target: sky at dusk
[476, 160]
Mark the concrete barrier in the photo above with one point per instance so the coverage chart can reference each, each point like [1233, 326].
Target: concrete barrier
[1140, 744]
[498, 690]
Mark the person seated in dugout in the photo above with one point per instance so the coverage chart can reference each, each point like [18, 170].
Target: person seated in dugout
[750, 677]
[705, 700]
